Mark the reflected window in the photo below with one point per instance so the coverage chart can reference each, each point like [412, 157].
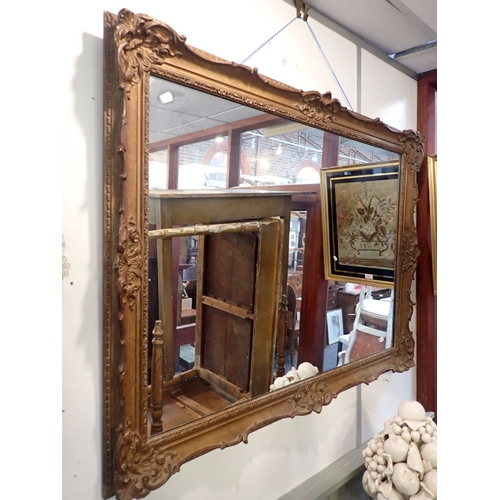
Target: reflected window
[203, 165]
[308, 175]
[280, 154]
[352, 152]
[158, 170]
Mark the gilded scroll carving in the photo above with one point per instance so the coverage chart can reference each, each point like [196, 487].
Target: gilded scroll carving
[409, 252]
[324, 109]
[142, 42]
[128, 263]
[140, 467]
[311, 399]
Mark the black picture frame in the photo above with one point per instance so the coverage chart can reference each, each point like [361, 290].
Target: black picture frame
[360, 221]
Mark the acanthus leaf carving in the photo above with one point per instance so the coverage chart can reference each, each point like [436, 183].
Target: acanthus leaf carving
[142, 42]
[128, 263]
[414, 150]
[140, 467]
[312, 398]
[319, 106]
[323, 108]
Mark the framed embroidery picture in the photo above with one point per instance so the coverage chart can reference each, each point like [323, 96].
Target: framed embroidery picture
[360, 222]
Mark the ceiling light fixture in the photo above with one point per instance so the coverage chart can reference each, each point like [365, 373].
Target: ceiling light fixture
[166, 97]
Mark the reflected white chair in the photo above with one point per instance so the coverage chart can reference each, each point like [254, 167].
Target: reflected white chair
[372, 327]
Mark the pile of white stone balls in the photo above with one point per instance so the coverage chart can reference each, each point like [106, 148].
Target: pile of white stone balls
[401, 463]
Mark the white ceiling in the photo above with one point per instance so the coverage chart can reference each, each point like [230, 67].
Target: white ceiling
[391, 26]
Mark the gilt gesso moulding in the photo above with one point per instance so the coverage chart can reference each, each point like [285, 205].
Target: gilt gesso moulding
[136, 47]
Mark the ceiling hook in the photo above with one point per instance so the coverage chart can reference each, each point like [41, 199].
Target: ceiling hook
[304, 7]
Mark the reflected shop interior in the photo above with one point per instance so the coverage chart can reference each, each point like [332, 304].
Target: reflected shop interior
[201, 142]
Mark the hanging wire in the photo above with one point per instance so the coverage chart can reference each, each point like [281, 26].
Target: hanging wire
[326, 60]
[267, 41]
[319, 47]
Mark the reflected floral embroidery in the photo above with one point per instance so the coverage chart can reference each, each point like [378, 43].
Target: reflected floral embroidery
[367, 220]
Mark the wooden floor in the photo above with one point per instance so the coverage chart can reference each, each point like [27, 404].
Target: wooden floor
[194, 398]
[190, 400]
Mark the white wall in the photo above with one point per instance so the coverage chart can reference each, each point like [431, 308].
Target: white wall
[280, 456]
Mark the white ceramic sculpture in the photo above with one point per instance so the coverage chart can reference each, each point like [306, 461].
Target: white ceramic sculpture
[303, 371]
[401, 463]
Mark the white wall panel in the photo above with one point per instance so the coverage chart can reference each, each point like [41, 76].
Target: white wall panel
[388, 94]
[308, 56]
[276, 458]
[380, 400]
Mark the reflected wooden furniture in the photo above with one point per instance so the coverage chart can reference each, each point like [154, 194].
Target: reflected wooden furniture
[332, 297]
[188, 316]
[292, 323]
[295, 279]
[240, 279]
[347, 301]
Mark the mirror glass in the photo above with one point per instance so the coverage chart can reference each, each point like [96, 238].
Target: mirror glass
[198, 141]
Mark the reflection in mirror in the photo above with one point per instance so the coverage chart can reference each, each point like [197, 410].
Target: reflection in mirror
[359, 322]
[215, 310]
[200, 141]
[202, 133]
[296, 248]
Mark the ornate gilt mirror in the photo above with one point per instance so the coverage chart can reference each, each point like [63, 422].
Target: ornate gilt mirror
[217, 181]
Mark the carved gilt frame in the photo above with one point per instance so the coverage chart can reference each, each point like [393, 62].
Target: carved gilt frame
[136, 46]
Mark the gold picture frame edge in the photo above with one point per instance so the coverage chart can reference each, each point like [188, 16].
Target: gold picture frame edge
[432, 176]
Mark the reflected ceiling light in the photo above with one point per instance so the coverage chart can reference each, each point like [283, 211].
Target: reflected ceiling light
[219, 139]
[279, 150]
[166, 97]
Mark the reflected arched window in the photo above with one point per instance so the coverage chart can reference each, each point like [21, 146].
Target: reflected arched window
[307, 172]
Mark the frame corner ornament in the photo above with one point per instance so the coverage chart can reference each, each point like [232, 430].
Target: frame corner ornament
[143, 42]
[140, 467]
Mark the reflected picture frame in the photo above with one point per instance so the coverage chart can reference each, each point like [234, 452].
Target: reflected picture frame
[335, 325]
[360, 220]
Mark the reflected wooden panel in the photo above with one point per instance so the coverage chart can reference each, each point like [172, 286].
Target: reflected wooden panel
[240, 280]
